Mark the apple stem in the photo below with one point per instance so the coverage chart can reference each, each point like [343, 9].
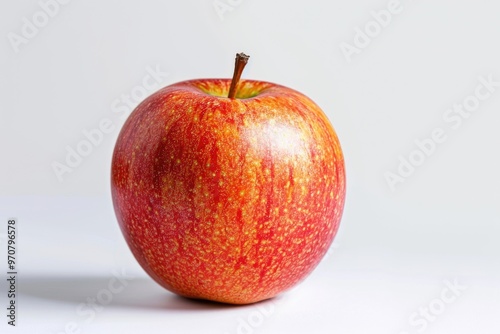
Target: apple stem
[239, 65]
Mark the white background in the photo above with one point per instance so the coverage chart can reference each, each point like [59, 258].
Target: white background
[396, 248]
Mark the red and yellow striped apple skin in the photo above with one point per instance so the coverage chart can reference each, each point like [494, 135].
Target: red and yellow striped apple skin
[231, 200]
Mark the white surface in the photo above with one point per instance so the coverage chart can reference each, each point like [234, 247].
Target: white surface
[396, 249]
[67, 258]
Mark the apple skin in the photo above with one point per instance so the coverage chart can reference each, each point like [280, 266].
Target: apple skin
[230, 200]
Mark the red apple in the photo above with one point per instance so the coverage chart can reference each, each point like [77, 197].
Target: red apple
[232, 199]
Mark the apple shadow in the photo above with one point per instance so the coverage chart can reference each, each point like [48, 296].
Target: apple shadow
[139, 293]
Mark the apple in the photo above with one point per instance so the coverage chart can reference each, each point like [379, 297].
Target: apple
[228, 190]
